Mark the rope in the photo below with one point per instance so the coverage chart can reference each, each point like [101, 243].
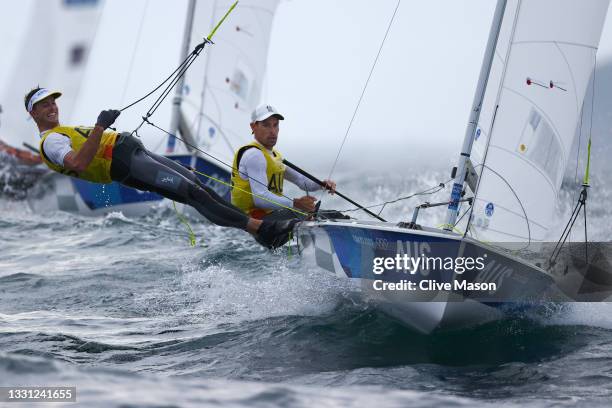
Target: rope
[437, 188]
[588, 166]
[183, 220]
[593, 74]
[363, 90]
[593, 98]
[214, 30]
[185, 66]
[579, 144]
[179, 71]
[163, 82]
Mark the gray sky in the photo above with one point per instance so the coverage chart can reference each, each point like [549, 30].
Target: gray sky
[420, 91]
[321, 52]
[417, 102]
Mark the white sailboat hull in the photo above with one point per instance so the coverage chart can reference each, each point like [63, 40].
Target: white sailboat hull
[348, 250]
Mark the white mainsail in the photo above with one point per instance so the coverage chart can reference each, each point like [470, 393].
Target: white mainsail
[54, 53]
[543, 63]
[224, 86]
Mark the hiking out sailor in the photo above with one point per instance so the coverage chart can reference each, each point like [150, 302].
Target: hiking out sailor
[102, 156]
[258, 173]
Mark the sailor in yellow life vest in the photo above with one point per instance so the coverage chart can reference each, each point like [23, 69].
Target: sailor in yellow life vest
[101, 156]
[258, 173]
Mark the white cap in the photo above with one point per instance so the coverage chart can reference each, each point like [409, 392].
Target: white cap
[263, 112]
[41, 94]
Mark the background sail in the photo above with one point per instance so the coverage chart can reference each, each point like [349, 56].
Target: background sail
[224, 86]
[136, 46]
[543, 65]
[54, 54]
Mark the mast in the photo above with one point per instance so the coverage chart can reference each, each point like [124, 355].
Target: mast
[178, 93]
[205, 84]
[453, 207]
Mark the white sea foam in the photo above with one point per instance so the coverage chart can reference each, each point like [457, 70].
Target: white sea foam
[584, 314]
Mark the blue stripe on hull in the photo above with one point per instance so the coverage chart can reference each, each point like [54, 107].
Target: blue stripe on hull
[348, 249]
[356, 247]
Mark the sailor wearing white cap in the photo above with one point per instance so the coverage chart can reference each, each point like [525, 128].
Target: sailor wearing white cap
[258, 172]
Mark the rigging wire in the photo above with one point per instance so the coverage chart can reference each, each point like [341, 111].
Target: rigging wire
[568, 228]
[186, 63]
[435, 189]
[363, 90]
[181, 65]
[463, 215]
[581, 203]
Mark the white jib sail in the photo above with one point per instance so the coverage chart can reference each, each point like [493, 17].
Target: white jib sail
[543, 63]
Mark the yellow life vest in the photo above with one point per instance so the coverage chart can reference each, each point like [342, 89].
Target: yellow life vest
[98, 170]
[241, 191]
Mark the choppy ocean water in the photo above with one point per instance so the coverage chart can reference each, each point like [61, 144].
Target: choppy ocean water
[125, 310]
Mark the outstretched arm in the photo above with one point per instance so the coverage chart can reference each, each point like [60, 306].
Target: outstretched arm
[306, 184]
[78, 161]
